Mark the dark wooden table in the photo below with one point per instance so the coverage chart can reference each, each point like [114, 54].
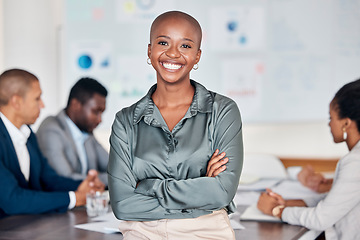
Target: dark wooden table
[60, 226]
[50, 226]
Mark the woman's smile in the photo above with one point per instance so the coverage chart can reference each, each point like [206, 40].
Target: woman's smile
[171, 66]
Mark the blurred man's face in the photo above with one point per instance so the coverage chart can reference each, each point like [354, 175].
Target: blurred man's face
[31, 104]
[90, 113]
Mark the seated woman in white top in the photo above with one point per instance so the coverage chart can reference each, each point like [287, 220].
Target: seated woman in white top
[338, 211]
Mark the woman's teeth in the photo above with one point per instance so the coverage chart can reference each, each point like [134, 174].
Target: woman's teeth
[172, 66]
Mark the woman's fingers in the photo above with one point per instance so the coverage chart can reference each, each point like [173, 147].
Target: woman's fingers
[215, 164]
[219, 170]
[276, 196]
[217, 167]
[214, 158]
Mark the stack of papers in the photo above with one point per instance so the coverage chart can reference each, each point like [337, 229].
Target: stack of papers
[107, 223]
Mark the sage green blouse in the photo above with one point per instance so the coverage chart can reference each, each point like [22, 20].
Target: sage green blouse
[170, 166]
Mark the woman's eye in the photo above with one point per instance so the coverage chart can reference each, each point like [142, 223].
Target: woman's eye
[186, 46]
[162, 43]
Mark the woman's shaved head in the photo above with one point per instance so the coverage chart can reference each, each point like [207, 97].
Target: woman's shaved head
[178, 16]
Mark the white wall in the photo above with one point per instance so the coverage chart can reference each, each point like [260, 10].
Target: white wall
[304, 140]
[29, 38]
[1, 36]
[30, 29]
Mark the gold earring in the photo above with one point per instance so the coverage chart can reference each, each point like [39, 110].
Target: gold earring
[148, 61]
[196, 66]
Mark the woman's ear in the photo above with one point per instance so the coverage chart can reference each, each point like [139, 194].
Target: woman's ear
[198, 55]
[347, 123]
[149, 50]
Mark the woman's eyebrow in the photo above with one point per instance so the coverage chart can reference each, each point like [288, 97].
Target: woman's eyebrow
[188, 39]
[164, 36]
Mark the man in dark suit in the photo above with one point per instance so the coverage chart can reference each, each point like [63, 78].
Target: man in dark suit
[28, 185]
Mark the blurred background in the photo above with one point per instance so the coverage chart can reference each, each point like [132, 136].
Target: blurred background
[280, 60]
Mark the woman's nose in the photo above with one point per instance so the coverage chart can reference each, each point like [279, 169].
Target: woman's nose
[173, 52]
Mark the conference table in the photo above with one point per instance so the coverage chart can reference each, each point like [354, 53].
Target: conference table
[60, 226]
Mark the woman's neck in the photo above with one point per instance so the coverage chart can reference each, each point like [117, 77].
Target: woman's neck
[353, 139]
[173, 94]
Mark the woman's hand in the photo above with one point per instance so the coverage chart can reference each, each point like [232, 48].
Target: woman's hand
[315, 181]
[216, 164]
[277, 197]
[268, 200]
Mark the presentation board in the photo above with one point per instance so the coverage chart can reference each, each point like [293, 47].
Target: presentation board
[280, 60]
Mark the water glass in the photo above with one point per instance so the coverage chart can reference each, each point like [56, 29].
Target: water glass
[96, 204]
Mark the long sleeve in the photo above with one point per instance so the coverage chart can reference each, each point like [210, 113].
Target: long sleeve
[57, 144]
[59, 149]
[45, 191]
[51, 181]
[18, 200]
[155, 174]
[206, 193]
[98, 157]
[127, 204]
[340, 206]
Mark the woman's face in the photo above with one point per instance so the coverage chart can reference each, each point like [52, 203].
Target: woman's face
[336, 124]
[174, 49]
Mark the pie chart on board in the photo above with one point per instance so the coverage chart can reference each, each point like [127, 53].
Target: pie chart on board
[85, 61]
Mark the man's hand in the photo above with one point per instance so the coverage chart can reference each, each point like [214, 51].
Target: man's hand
[216, 164]
[94, 181]
[91, 184]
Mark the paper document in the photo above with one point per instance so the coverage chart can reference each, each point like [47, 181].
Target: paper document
[103, 227]
[259, 185]
[254, 214]
[106, 223]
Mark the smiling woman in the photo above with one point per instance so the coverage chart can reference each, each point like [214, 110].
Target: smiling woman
[173, 54]
[176, 153]
[174, 50]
